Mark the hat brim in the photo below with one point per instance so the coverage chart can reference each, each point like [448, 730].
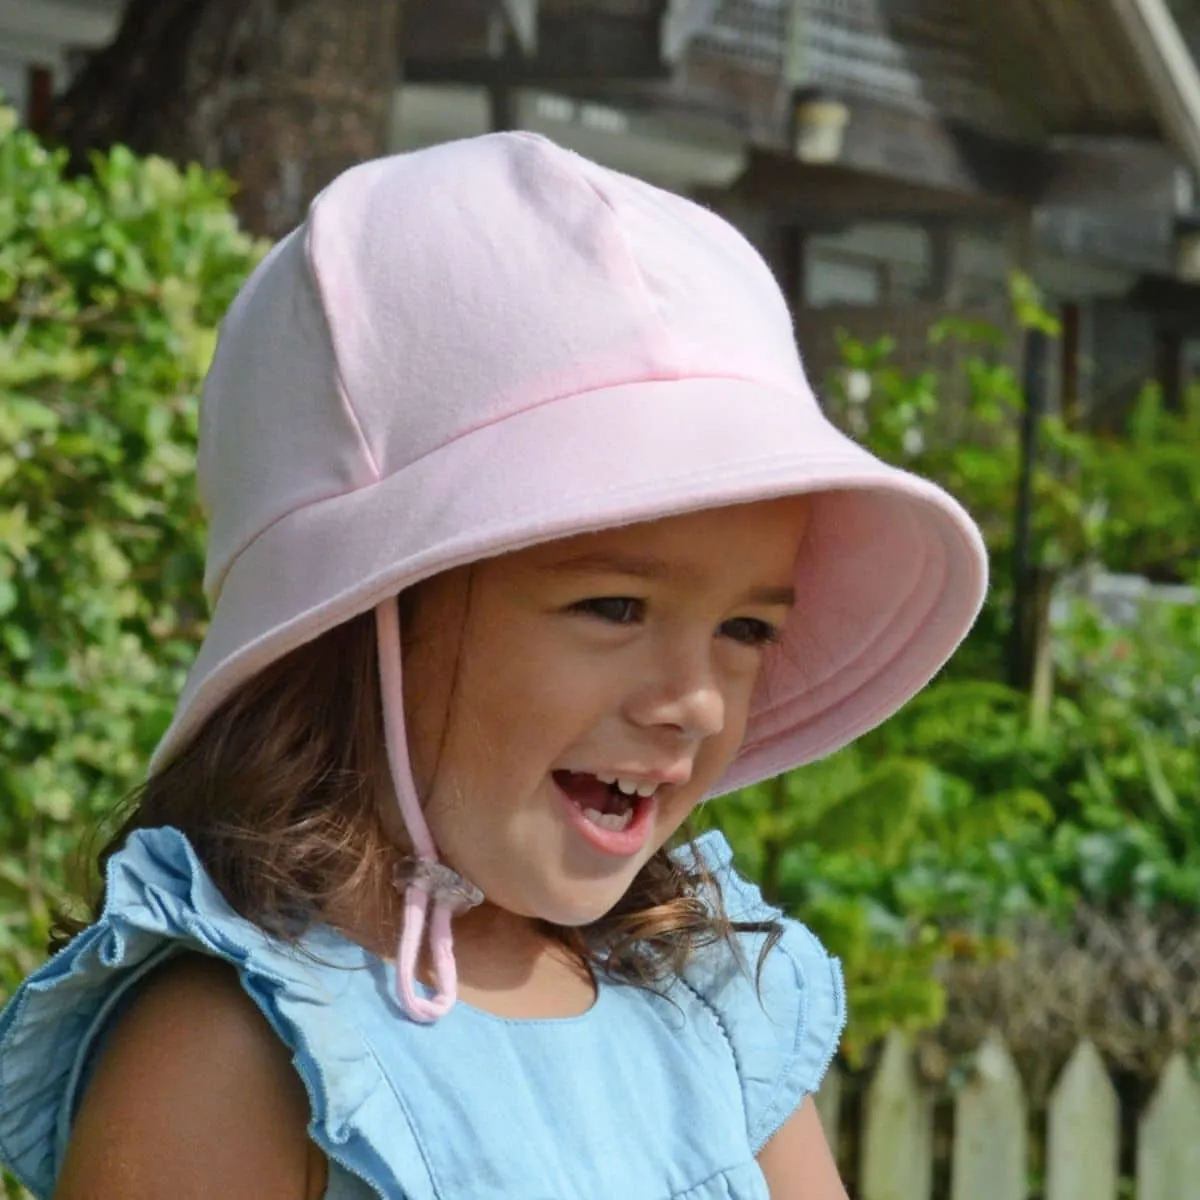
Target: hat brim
[891, 576]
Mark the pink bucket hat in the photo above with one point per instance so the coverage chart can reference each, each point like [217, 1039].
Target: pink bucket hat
[493, 343]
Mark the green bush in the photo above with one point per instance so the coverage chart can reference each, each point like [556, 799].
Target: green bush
[1145, 481]
[111, 289]
[970, 808]
[878, 851]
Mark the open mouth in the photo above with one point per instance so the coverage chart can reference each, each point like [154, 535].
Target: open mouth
[605, 800]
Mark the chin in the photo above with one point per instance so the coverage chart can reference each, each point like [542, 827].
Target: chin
[575, 911]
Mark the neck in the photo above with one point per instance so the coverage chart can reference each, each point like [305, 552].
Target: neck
[497, 947]
[491, 945]
[511, 967]
[508, 965]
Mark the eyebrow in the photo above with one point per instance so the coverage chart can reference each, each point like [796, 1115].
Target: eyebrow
[650, 567]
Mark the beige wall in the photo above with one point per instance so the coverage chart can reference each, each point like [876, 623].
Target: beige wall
[43, 33]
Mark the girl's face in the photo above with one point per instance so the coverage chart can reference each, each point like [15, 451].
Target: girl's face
[544, 686]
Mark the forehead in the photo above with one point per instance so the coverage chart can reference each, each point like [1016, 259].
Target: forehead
[761, 537]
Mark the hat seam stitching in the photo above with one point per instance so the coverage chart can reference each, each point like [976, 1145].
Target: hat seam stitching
[559, 397]
[308, 502]
[500, 419]
[342, 390]
[706, 473]
[664, 328]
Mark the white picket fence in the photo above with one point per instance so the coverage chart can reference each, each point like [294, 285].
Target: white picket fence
[990, 1157]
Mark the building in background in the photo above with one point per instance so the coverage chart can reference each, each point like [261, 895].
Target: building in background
[894, 159]
[898, 157]
[39, 42]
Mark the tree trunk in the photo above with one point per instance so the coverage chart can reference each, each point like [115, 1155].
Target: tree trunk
[281, 94]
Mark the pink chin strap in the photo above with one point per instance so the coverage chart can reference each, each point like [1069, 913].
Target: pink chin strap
[422, 877]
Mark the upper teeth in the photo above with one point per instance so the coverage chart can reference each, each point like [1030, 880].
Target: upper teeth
[630, 787]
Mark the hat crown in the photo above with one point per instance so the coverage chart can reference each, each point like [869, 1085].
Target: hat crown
[432, 294]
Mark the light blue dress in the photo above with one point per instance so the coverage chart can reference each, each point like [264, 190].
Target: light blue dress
[643, 1097]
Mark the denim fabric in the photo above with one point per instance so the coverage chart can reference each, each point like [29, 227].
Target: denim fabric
[643, 1097]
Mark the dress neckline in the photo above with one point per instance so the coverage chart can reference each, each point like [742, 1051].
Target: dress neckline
[324, 939]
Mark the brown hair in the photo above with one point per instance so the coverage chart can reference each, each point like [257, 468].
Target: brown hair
[280, 792]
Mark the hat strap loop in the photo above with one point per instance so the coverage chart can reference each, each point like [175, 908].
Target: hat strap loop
[423, 877]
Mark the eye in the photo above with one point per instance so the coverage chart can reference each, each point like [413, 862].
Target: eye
[616, 610]
[750, 631]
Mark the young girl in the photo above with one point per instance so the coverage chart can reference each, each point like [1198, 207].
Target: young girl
[527, 537]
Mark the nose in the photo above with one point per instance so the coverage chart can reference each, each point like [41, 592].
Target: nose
[684, 696]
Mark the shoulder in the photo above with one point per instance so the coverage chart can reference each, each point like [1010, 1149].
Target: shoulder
[194, 1094]
[783, 1015]
[798, 1161]
[103, 1038]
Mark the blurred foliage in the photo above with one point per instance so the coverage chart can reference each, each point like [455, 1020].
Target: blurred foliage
[929, 836]
[1145, 485]
[111, 289]
[878, 852]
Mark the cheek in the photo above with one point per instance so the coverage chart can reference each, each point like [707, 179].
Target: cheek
[740, 691]
[715, 759]
[511, 713]
[426, 712]
[506, 703]
[538, 682]
[719, 751]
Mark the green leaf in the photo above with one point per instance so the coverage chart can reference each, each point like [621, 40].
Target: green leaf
[879, 815]
[111, 288]
[1164, 796]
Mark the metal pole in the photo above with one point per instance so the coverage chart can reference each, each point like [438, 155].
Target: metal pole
[1036, 386]
[502, 96]
[502, 107]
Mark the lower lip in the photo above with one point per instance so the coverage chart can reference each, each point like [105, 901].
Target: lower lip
[620, 843]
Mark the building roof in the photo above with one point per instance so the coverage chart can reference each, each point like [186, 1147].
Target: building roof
[1026, 70]
[1029, 71]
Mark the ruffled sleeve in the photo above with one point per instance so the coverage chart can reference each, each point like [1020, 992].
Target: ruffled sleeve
[159, 900]
[785, 1031]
